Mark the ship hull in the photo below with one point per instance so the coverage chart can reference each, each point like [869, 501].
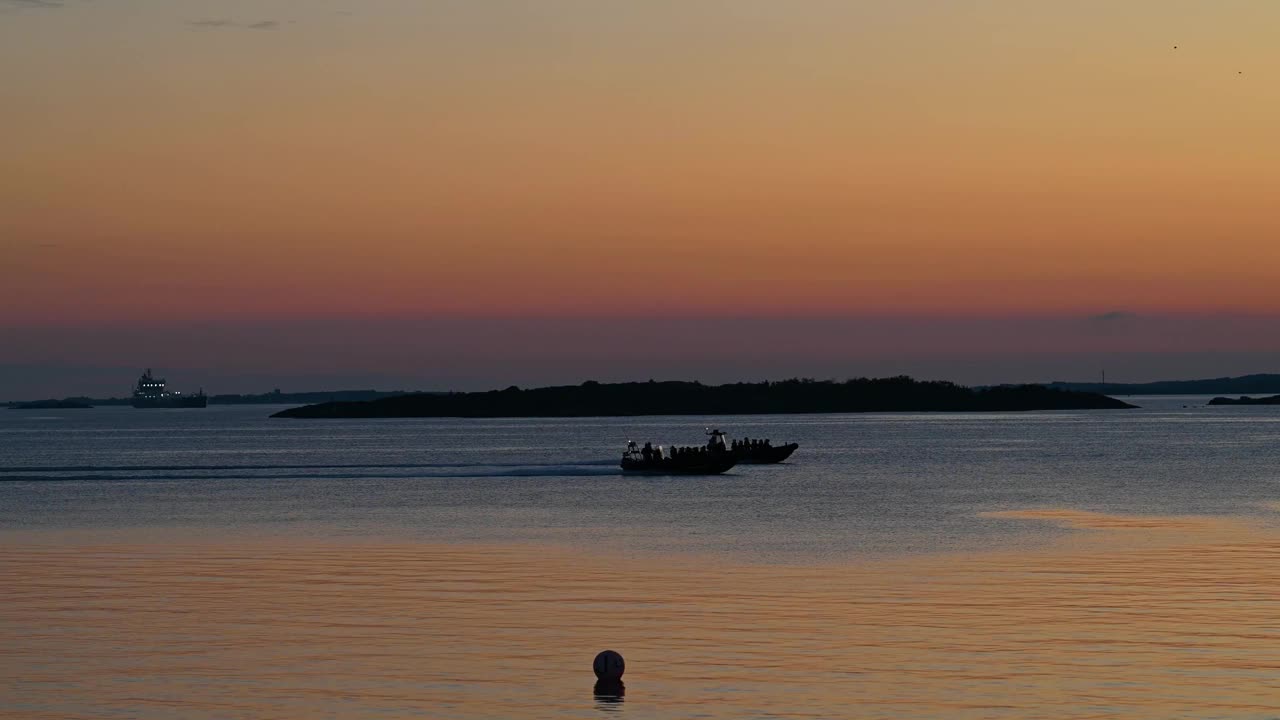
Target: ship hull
[195, 401]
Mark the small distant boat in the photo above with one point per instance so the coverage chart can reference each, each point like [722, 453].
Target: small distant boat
[764, 454]
[711, 459]
[756, 452]
[150, 393]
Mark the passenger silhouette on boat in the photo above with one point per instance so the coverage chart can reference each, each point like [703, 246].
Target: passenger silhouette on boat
[712, 458]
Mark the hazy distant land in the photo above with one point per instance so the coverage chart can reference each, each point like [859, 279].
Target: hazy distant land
[1260, 384]
[898, 394]
[271, 398]
[68, 404]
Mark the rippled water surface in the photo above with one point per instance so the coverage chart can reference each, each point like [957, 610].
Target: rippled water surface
[220, 564]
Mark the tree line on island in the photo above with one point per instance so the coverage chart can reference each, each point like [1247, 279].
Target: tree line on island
[895, 394]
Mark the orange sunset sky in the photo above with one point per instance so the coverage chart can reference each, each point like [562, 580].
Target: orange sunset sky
[171, 164]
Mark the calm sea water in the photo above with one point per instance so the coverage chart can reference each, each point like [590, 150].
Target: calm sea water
[219, 563]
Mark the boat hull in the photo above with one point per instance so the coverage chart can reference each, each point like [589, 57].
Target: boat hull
[194, 401]
[765, 456]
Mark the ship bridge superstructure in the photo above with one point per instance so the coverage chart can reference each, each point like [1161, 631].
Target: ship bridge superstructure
[150, 387]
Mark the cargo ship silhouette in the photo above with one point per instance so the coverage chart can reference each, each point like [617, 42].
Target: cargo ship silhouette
[150, 393]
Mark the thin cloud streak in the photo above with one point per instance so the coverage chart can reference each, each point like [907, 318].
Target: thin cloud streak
[20, 4]
[223, 23]
[1114, 316]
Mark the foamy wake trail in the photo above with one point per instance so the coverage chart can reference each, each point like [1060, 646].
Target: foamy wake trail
[406, 471]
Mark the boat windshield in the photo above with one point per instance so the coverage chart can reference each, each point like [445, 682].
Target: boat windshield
[717, 440]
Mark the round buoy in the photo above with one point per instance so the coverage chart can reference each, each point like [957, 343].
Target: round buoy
[609, 666]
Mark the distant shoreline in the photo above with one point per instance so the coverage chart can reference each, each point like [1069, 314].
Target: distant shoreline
[1246, 400]
[591, 399]
[50, 405]
[1259, 384]
[271, 398]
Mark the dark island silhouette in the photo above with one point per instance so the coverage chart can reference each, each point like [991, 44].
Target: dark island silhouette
[1246, 400]
[591, 399]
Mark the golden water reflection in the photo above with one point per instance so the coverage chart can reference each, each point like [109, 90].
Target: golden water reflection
[1139, 617]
